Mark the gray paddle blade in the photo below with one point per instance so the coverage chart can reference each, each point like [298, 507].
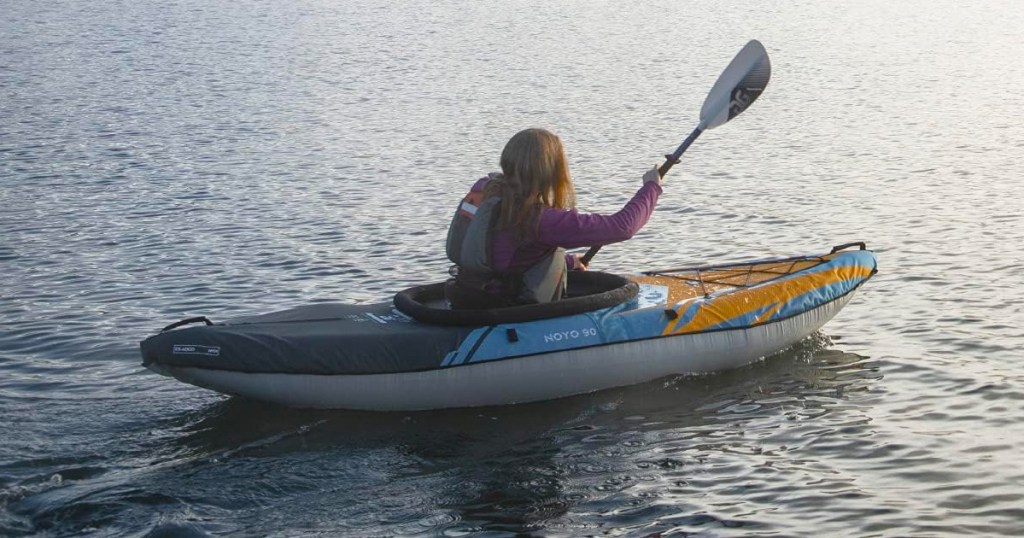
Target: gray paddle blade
[738, 86]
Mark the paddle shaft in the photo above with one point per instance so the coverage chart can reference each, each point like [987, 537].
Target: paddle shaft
[670, 161]
[673, 158]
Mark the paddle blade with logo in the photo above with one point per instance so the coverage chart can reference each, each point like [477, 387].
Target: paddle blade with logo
[740, 84]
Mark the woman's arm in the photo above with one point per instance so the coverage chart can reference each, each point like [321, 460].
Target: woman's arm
[571, 229]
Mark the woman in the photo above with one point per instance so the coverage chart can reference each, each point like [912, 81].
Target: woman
[508, 236]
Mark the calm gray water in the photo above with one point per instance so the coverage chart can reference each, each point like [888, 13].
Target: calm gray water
[167, 159]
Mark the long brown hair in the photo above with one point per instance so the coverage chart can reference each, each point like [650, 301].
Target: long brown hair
[536, 175]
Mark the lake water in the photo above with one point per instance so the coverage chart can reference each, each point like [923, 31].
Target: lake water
[160, 160]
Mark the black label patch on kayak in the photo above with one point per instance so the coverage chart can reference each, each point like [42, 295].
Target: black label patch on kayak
[187, 349]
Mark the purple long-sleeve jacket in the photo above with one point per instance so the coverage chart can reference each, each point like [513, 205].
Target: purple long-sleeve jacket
[572, 229]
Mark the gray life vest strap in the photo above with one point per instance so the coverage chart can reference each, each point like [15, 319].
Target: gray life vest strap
[545, 281]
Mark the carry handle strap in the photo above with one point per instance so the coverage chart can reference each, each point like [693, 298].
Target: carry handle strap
[844, 246]
[188, 321]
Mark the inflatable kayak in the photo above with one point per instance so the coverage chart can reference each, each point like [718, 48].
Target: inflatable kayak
[414, 353]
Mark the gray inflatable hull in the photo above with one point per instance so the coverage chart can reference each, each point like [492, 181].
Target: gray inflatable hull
[531, 378]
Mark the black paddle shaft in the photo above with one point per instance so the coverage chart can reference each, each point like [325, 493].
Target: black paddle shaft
[671, 160]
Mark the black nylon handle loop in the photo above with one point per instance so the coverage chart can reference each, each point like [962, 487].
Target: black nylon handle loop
[844, 246]
[188, 321]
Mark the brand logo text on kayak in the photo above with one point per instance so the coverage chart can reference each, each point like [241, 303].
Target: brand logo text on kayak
[574, 334]
[188, 349]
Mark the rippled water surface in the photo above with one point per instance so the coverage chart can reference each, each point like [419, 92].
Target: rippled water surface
[160, 160]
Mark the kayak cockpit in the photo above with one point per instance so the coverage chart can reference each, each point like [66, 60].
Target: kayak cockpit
[587, 291]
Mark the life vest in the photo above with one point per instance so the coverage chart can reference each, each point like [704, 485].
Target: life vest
[468, 246]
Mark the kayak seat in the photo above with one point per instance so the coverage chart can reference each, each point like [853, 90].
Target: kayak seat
[465, 298]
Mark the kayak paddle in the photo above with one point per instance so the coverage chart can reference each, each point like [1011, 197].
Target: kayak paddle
[737, 87]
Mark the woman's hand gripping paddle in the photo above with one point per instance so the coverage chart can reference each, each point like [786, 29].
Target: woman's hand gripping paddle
[737, 87]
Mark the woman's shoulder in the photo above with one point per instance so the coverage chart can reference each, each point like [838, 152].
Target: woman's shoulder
[481, 183]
